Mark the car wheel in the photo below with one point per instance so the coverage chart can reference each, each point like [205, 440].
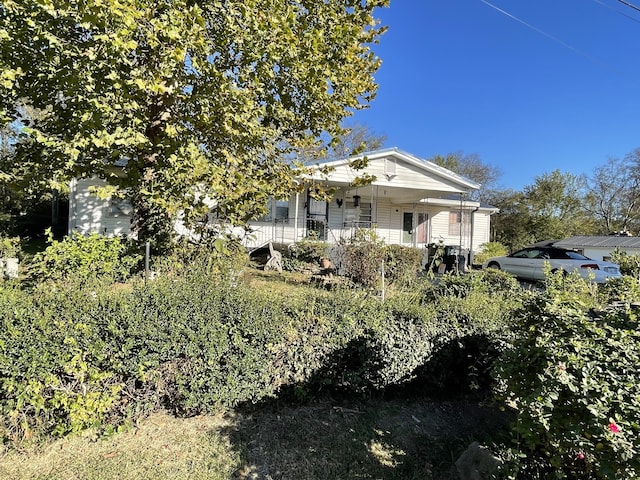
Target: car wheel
[556, 270]
[494, 265]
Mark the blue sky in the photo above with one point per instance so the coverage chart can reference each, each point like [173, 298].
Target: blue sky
[561, 92]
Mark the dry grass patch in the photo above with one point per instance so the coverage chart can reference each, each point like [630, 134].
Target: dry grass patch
[162, 447]
[376, 439]
[411, 439]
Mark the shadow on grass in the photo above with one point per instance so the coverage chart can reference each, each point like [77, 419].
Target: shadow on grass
[395, 434]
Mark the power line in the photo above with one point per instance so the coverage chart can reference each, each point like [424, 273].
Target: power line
[557, 40]
[630, 5]
[541, 32]
[599, 2]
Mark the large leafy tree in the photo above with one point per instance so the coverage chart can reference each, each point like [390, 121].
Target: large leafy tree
[550, 208]
[555, 202]
[179, 101]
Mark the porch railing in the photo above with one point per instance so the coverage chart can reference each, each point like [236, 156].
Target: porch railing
[283, 232]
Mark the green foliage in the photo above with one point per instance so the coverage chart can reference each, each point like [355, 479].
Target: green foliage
[570, 289]
[473, 312]
[53, 381]
[197, 339]
[402, 264]
[216, 256]
[82, 258]
[491, 282]
[572, 376]
[10, 247]
[363, 256]
[488, 250]
[192, 93]
[623, 289]
[309, 250]
[629, 264]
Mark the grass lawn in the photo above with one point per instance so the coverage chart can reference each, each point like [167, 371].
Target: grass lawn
[374, 439]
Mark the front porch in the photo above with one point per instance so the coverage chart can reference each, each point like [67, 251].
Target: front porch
[286, 231]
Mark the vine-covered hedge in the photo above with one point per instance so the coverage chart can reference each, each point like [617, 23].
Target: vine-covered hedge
[88, 354]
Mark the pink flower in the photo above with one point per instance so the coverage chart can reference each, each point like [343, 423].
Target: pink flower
[613, 428]
[580, 456]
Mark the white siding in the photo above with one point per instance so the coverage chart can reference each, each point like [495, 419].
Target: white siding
[481, 233]
[599, 253]
[88, 213]
[480, 224]
[382, 214]
[407, 176]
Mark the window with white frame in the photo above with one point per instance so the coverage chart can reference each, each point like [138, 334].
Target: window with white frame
[278, 211]
[359, 216]
[459, 223]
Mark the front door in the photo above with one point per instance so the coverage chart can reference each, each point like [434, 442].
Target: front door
[407, 227]
[317, 217]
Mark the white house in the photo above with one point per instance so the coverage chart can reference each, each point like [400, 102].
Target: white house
[410, 202]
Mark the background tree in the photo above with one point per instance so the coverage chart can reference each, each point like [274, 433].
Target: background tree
[357, 138]
[613, 194]
[27, 206]
[511, 225]
[551, 208]
[472, 167]
[177, 102]
[555, 201]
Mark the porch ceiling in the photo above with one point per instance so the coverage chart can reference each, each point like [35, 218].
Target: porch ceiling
[396, 195]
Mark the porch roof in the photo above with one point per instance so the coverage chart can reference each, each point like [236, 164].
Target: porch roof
[415, 181]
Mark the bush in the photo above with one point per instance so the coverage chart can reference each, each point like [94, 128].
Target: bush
[51, 364]
[489, 250]
[81, 257]
[622, 289]
[363, 256]
[629, 264]
[219, 255]
[309, 250]
[10, 247]
[76, 355]
[402, 264]
[572, 376]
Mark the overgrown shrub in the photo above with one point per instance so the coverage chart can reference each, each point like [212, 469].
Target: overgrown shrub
[570, 289]
[84, 257]
[622, 289]
[309, 250]
[629, 264]
[362, 258]
[474, 311]
[492, 282]
[213, 255]
[10, 247]
[572, 376]
[52, 377]
[402, 264]
[489, 250]
[75, 355]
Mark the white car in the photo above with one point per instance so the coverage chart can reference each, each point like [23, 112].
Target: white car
[528, 264]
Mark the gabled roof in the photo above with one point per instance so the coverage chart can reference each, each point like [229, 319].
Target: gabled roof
[424, 165]
[599, 241]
